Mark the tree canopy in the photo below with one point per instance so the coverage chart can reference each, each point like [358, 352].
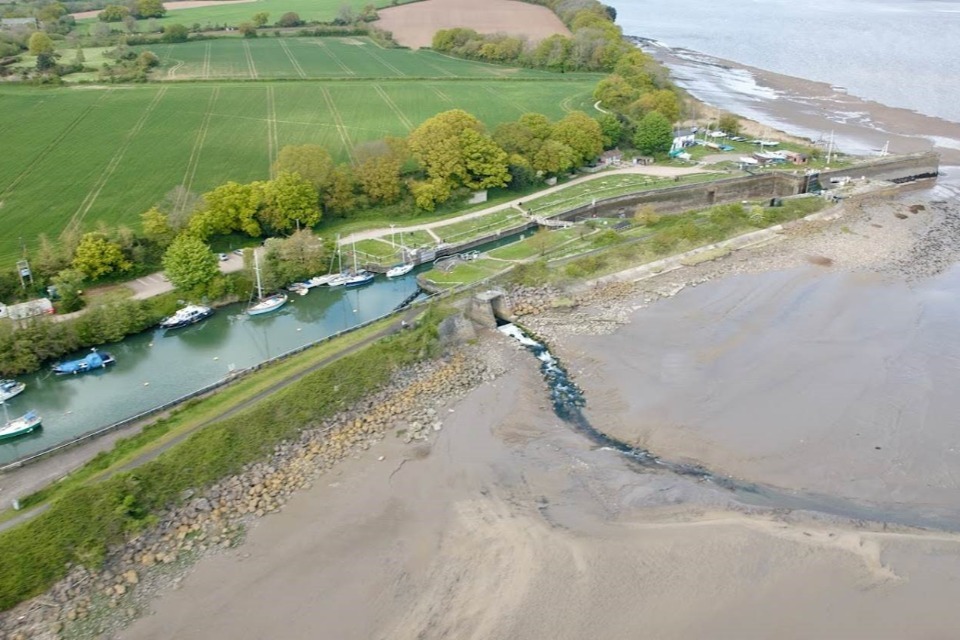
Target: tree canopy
[189, 263]
[654, 134]
[97, 256]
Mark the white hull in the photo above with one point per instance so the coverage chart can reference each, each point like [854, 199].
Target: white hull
[400, 270]
[267, 305]
[20, 426]
[10, 388]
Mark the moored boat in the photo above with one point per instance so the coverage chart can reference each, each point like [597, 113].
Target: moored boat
[10, 388]
[94, 360]
[264, 304]
[27, 423]
[190, 314]
[359, 279]
[400, 270]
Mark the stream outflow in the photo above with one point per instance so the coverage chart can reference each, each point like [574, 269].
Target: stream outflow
[568, 402]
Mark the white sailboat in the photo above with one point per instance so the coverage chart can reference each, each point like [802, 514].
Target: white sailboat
[10, 388]
[359, 277]
[23, 425]
[401, 269]
[264, 304]
[339, 278]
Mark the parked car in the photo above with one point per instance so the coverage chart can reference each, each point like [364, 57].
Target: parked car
[224, 257]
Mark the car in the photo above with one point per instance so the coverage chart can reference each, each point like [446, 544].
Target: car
[239, 252]
[224, 257]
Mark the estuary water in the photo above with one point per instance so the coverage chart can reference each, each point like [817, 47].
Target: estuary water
[896, 52]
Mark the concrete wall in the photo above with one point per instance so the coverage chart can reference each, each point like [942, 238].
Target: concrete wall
[891, 168]
[694, 196]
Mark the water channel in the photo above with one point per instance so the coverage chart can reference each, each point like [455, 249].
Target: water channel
[157, 366]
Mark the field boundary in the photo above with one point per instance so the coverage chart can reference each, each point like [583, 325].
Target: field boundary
[77, 218]
[404, 120]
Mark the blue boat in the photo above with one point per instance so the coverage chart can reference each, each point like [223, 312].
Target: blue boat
[94, 360]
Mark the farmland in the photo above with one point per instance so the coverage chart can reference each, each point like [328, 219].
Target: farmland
[234, 14]
[89, 153]
[298, 58]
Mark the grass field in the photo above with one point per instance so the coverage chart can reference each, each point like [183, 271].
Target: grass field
[607, 187]
[297, 58]
[234, 14]
[88, 153]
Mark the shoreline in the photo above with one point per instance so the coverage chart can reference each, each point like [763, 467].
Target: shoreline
[805, 108]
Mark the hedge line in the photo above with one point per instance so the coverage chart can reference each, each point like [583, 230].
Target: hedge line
[86, 521]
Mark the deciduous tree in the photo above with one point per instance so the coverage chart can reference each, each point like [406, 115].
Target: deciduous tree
[654, 134]
[378, 171]
[156, 227]
[289, 19]
[150, 9]
[260, 18]
[228, 208]
[96, 257]
[69, 284]
[581, 133]
[175, 33]
[287, 201]
[485, 163]
[311, 161]
[339, 197]
[554, 158]
[40, 43]
[189, 263]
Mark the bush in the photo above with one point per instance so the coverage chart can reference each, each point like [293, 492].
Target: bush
[530, 273]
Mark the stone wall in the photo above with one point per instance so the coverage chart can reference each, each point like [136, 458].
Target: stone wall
[892, 168]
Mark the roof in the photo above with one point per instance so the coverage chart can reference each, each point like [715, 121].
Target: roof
[612, 153]
[17, 22]
[683, 133]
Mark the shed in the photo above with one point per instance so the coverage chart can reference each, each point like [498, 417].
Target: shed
[611, 158]
[796, 157]
[29, 309]
[16, 23]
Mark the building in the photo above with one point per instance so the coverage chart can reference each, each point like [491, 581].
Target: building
[611, 158]
[796, 157]
[683, 138]
[39, 307]
[19, 23]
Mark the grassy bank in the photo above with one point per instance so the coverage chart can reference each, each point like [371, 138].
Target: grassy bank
[87, 518]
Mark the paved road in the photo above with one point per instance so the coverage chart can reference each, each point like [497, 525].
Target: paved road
[157, 283]
[659, 172]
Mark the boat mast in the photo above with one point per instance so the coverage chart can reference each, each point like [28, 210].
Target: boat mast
[256, 269]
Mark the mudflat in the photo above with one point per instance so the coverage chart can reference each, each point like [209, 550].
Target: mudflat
[413, 25]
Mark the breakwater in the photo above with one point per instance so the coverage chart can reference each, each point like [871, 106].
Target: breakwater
[568, 402]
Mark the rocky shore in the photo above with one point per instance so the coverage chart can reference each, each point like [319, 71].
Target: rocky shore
[94, 604]
[913, 235]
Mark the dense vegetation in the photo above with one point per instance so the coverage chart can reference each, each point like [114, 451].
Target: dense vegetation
[82, 524]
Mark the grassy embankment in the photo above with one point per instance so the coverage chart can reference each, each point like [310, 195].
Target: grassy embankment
[151, 138]
[88, 516]
[595, 248]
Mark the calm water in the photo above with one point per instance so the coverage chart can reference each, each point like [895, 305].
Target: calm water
[897, 52]
[156, 367]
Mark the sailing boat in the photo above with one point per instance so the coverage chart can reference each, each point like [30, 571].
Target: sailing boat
[23, 425]
[10, 388]
[359, 277]
[401, 269]
[268, 304]
[341, 277]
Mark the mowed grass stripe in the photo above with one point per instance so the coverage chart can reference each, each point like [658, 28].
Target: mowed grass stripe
[336, 59]
[235, 147]
[341, 128]
[293, 60]
[252, 67]
[194, 160]
[272, 150]
[154, 163]
[393, 107]
[303, 117]
[77, 219]
[50, 147]
[373, 54]
[206, 60]
[497, 95]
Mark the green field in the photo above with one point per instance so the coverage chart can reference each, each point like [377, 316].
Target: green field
[88, 153]
[298, 58]
[234, 14]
